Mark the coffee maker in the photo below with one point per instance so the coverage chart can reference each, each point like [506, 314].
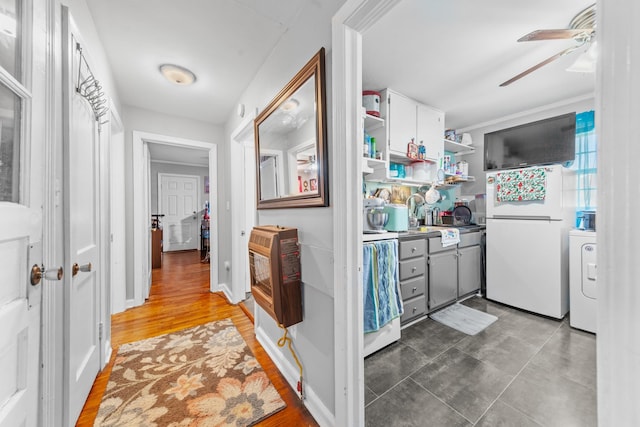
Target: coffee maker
[373, 223]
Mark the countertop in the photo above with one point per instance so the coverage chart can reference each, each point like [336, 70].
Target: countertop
[434, 231]
[428, 231]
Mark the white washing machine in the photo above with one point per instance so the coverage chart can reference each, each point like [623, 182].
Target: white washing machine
[582, 279]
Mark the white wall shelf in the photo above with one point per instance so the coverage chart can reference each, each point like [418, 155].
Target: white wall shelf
[457, 148]
[370, 165]
[372, 123]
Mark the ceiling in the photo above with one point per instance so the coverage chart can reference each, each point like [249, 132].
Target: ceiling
[451, 54]
[454, 54]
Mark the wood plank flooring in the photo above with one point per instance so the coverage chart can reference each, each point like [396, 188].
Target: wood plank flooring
[180, 299]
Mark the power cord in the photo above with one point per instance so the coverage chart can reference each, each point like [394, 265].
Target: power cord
[286, 340]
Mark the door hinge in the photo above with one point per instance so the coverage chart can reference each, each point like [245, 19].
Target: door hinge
[100, 328]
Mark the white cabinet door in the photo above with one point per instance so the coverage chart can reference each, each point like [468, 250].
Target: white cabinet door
[401, 120]
[430, 131]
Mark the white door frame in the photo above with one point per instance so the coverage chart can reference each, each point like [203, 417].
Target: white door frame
[142, 214]
[117, 236]
[350, 21]
[241, 139]
[199, 191]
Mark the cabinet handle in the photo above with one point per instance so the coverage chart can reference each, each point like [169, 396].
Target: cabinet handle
[413, 269]
[413, 249]
[415, 309]
[414, 289]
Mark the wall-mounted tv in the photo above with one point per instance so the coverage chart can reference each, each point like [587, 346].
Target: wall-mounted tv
[543, 142]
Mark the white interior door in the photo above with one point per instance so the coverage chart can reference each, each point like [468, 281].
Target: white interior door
[82, 236]
[179, 203]
[21, 166]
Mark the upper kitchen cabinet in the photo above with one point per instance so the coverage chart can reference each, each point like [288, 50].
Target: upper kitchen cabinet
[409, 120]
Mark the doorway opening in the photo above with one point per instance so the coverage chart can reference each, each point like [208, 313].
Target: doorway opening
[155, 154]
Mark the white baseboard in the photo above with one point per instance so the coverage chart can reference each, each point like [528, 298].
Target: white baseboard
[107, 353]
[227, 292]
[130, 303]
[318, 410]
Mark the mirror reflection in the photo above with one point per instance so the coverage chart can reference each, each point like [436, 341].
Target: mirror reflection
[290, 146]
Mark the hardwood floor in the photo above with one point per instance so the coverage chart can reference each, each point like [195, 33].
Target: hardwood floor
[180, 299]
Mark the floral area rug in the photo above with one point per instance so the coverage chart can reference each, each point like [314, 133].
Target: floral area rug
[202, 376]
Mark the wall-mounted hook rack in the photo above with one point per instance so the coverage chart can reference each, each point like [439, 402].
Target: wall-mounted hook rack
[90, 88]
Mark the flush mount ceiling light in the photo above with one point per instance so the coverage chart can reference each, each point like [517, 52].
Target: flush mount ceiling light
[177, 74]
[290, 104]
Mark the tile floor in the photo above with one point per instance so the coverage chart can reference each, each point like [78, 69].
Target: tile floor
[523, 370]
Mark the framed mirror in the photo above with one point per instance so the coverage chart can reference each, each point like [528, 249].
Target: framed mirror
[291, 146]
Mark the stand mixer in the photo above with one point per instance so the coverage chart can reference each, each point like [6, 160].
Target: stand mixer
[374, 218]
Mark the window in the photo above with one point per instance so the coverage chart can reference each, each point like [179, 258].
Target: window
[12, 95]
[586, 163]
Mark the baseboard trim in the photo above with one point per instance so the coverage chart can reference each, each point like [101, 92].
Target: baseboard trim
[130, 303]
[318, 410]
[227, 292]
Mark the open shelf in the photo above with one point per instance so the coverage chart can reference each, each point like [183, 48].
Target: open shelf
[372, 123]
[370, 165]
[457, 148]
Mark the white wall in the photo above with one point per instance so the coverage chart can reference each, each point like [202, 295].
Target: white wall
[151, 122]
[314, 337]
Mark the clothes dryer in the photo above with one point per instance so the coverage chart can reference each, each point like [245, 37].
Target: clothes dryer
[582, 280]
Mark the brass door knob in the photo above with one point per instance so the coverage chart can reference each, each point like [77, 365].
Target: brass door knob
[39, 272]
[77, 268]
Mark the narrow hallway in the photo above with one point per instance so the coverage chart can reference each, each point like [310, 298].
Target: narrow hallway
[180, 299]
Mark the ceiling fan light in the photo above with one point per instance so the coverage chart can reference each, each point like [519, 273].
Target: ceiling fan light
[584, 63]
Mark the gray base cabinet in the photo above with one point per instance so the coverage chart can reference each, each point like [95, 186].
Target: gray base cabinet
[469, 270]
[432, 276]
[413, 286]
[443, 278]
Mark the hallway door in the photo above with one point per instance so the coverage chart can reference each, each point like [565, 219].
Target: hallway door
[179, 202]
[82, 285]
[22, 145]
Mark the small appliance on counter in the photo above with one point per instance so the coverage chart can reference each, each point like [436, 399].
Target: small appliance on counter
[374, 216]
[398, 217]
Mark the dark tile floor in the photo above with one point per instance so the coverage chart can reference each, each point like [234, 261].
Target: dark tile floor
[523, 370]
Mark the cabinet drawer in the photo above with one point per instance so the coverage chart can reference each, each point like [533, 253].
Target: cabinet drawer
[412, 268]
[414, 308]
[435, 245]
[412, 288]
[412, 248]
[469, 239]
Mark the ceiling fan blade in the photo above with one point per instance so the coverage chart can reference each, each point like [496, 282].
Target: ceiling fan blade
[539, 65]
[554, 34]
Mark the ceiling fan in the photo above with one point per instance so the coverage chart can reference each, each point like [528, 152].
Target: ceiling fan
[581, 29]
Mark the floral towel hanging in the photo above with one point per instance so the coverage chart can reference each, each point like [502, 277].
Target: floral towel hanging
[521, 185]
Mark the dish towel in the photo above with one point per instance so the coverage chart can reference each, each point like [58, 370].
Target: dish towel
[450, 237]
[521, 185]
[382, 301]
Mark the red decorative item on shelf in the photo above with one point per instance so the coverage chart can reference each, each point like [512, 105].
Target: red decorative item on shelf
[412, 150]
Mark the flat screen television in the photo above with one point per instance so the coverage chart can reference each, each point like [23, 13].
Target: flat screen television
[542, 142]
